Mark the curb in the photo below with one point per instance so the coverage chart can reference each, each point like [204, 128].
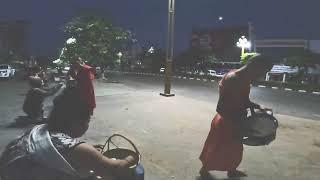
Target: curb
[212, 80]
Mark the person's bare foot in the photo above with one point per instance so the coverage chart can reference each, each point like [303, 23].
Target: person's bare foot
[236, 173]
[205, 175]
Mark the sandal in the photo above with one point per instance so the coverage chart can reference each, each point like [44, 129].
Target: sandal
[205, 175]
[236, 173]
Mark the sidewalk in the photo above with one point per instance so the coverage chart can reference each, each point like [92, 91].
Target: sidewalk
[170, 133]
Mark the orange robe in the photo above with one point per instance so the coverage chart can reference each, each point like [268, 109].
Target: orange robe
[85, 77]
[223, 148]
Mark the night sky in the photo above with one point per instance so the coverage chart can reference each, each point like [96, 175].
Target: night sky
[148, 18]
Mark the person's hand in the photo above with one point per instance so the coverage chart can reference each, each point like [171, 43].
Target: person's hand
[265, 109]
[126, 162]
[130, 160]
[123, 170]
[59, 85]
[98, 147]
[254, 105]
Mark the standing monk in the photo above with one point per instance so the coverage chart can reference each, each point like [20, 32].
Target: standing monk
[84, 76]
[223, 148]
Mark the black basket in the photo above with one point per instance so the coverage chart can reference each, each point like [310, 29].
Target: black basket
[260, 128]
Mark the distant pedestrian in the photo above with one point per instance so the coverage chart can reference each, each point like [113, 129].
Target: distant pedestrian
[33, 103]
[83, 75]
[223, 149]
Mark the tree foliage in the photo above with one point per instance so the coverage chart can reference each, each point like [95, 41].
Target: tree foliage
[97, 40]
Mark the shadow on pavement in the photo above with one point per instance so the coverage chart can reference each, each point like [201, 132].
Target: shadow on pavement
[212, 177]
[21, 122]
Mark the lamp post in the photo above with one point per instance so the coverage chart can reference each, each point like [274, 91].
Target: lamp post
[169, 54]
[119, 60]
[243, 43]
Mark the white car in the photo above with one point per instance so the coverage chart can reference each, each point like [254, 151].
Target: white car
[162, 70]
[212, 73]
[6, 71]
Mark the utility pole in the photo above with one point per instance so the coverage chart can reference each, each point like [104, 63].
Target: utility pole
[169, 54]
[252, 37]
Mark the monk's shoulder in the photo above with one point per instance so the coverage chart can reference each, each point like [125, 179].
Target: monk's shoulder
[231, 79]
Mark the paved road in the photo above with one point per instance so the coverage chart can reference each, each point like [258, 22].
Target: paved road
[296, 104]
[170, 132]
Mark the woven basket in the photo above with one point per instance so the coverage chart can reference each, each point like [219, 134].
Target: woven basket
[121, 153]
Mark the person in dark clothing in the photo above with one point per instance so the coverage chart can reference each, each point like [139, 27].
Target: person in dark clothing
[32, 105]
[52, 151]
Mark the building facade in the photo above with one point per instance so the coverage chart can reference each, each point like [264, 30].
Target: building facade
[279, 49]
[221, 41]
[13, 37]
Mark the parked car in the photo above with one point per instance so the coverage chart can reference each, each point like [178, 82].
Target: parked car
[212, 73]
[6, 71]
[162, 70]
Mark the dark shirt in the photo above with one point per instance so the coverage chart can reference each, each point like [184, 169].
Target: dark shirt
[32, 105]
[16, 162]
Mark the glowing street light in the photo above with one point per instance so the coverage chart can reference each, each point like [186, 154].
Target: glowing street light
[243, 43]
[119, 55]
[220, 18]
[151, 50]
[119, 60]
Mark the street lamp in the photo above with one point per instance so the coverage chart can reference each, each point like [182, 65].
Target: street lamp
[243, 43]
[151, 50]
[169, 54]
[119, 60]
[119, 55]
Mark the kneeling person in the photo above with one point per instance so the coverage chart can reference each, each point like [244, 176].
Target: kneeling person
[51, 151]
